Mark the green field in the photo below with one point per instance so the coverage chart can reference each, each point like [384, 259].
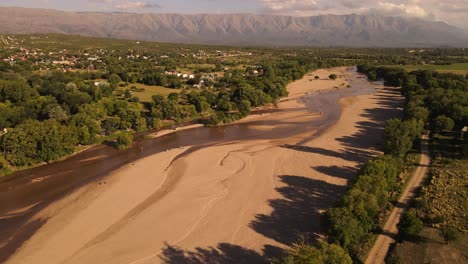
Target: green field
[145, 96]
[459, 68]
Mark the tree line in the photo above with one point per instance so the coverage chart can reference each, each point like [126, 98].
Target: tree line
[438, 99]
[45, 115]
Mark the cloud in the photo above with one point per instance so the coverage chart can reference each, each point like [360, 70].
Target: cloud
[451, 11]
[127, 4]
[136, 5]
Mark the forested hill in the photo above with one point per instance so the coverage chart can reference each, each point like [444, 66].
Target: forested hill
[238, 29]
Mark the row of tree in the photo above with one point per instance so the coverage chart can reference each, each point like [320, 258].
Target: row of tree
[354, 221]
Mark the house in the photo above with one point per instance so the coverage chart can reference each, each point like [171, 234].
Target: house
[463, 131]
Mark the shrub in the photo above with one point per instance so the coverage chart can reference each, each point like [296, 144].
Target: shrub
[123, 140]
[449, 234]
[410, 225]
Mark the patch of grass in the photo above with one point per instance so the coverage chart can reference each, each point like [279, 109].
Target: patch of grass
[441, 203]
[458, 68]
[430, 248]
[146, 94]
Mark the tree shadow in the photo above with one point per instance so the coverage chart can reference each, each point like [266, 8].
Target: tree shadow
[223, 253]
[346, 172]
[349, 154]
[298, 214]
[16, 235]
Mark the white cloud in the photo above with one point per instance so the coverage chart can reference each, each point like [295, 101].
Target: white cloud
[452, 11]
[127, 4]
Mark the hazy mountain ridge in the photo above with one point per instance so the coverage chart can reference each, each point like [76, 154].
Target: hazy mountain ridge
[238, 29]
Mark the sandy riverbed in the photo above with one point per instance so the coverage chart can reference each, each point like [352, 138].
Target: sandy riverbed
[236, 202]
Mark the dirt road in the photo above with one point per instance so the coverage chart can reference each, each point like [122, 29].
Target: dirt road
[382, 244]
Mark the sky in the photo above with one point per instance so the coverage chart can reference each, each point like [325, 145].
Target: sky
[454, 12]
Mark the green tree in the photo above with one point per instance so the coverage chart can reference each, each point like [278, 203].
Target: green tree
[418, 112]
[397, 138]
[123, 140]
[410, 225]
[244, 107]
[322, 253]
[443, 123]
[114, 81]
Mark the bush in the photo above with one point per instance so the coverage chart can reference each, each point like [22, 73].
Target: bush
[322, 253]
[410, 225]
[449, 234]
[443, 123]
[123, 140]
[333, 76]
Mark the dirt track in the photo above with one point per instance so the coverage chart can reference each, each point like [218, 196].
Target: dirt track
[382, 244]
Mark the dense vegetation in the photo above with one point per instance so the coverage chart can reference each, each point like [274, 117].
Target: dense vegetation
[49, 106]
[441, 100]
[55, 96]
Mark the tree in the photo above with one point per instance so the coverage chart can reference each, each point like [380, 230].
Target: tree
[114, 81]
[322, 253]
[244, 107]
[333, 76]
[397, 138]
[418, 112]
[410, 225]
[316, 77]
[33, 141]
[449, 234]
[56, 112]
[128, 94]
[443, 123]
[123, 140]
[372, 75]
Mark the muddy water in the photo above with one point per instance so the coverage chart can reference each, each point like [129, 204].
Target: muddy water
[35, 188]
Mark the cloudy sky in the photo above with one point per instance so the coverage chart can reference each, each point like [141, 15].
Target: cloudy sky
[454, 12]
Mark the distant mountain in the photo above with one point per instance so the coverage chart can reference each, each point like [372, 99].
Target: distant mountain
[239, 29]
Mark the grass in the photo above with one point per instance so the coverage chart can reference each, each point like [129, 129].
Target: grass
[458, 68]
[145, 96]
[442, 202]
[444, 198]
[430, 248]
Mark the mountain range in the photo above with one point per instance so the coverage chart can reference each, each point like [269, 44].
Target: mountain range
[238, 29]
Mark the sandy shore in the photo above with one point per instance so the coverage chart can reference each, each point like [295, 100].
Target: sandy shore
[236, 202]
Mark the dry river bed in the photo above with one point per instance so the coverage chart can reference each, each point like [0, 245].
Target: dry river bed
[232, 194]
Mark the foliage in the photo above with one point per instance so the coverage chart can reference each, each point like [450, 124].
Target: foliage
[34, 141]
[322, 253]
[442, 123]
[399, 136]
[123, 140]
[449, 234]
[410, 225]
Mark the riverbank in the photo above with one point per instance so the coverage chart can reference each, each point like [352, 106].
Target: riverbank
[265, 181]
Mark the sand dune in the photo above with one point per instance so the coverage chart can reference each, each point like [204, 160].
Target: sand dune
[233, 202]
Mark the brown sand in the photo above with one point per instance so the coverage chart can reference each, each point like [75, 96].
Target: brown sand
[225, 203]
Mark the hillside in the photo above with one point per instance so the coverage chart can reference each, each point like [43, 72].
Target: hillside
[238, 29]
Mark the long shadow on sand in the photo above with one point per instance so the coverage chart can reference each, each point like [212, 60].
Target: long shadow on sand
[223, 253]
[298, 214]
